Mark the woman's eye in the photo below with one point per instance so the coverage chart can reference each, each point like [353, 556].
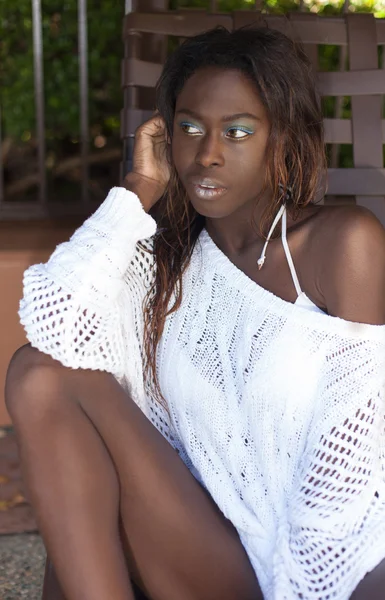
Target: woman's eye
[189, 129]
[236, 133]
[239, 133]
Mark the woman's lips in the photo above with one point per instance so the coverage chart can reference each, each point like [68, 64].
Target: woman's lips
[207, 192]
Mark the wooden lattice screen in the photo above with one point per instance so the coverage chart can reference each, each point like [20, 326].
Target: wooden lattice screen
[364, 82]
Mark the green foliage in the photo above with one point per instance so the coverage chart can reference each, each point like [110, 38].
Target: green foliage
[61, 64]
[61, 67]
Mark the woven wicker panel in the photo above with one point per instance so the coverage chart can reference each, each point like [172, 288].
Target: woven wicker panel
[367, 108]
[364, 83]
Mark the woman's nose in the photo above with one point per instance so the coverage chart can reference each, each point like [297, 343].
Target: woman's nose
[210, 151]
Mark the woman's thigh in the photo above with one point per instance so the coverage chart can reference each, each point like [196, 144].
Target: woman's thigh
[179, 545]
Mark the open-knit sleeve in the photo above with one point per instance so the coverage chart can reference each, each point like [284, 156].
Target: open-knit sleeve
[333, 532]
[83, 307]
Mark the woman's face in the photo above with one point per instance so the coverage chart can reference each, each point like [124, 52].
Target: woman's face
[219, 141]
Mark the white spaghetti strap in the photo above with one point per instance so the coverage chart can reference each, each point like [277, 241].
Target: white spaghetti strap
[262, 258]
[288, 254]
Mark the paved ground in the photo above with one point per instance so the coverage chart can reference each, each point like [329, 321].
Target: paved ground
[22, 554]
[15, 513]
[22, 559]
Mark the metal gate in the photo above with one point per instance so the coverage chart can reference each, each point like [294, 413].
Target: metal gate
[41, 201]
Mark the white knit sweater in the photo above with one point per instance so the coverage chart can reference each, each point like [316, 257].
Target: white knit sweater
[277, 410]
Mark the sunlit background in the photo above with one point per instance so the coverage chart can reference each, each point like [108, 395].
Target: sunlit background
[18, 135]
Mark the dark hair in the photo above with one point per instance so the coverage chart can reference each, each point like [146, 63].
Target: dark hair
[283, 77]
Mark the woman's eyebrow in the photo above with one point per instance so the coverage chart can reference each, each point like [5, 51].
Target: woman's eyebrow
[225, 119]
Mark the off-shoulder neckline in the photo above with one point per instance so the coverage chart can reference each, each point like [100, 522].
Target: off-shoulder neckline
[319, 319]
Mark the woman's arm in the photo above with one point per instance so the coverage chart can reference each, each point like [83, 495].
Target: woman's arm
[84, 306]
[79, 307]
[372, 587]
[336, 504]
[332, 531]
[355, 290]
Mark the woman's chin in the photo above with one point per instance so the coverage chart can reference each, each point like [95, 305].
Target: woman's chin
[211, 210]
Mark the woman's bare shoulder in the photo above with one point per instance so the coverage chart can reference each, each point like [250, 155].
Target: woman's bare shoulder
[350, 242]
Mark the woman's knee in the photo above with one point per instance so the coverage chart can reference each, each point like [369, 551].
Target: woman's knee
[32, 380]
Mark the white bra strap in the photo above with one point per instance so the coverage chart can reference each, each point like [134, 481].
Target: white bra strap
[288, 254]
[262, 258]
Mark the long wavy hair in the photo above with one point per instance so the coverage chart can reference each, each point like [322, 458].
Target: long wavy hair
[295, 156]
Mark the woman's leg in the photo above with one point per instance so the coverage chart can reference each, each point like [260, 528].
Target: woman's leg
[51, 586]
[90, 455]
[70, 479]
[53, 591]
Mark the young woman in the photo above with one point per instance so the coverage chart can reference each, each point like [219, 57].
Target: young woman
[201, 408]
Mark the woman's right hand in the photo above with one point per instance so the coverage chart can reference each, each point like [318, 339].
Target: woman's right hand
[150, 170]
